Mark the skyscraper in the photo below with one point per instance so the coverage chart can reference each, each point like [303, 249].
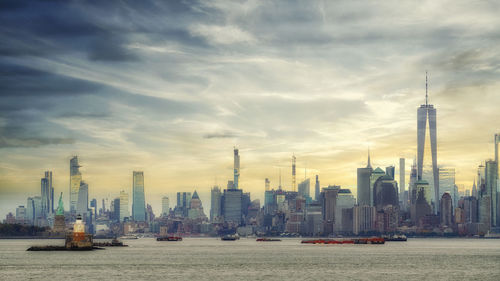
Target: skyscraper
[138, 202]
[83, 199]
[165, 206]
[75, 177]
[328, 204]
[304, 188]
[267, 184]
[215, 200]
[316, 189]
[124, 211]
[447, 183]
[232, 205]
[402, 187]
[294, 183]
[491, 189]
[446, 212]
[363, 183]
[426, 113]
[183, 203]
[45, 194]
[236, 169]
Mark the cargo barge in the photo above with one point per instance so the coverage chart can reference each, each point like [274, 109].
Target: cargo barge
[268, 240]
[169, 238]
[373, 240]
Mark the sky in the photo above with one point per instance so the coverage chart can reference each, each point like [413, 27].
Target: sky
[170, 87]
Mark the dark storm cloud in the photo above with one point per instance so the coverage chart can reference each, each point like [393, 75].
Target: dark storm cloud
[11, 137]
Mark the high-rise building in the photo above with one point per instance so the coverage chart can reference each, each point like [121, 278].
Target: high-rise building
[47, 194]
[215, 206]
[232, 205]
[75, 177]
[30, 210]
[267, 184]
[196, 208]
[82, 206]
[37, 203]
[316, 189]
[402, 187]
[21, 215]
[138, 201]
[364, 219]
[93, 206]
[446, 212]
[427, 115]
[376, 174]
[236, 169]
[385, 192]
[304, 188]
[165, 206]
[447, 183]
[422, 206]
[294, 183]
[497, 142]
[124, 210]
[390, 171]
[328, 204]
[116, 209]
[491, 189]
[183, 203]
[364, 188]
[345, 200]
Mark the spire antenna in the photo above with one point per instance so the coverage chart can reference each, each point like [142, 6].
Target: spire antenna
[426, 95]
[369, 164]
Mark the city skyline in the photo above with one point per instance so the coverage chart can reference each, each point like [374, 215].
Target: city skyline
[173, 101]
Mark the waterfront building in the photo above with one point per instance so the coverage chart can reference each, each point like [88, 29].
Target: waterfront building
[124, 210]
[313, 220]
[364, 219]
[165, 206]
[21, 215]
[363, 183]
[232, 206]
[426, 114]
[75, 178]
[30, 210]
[446, 212]
[138, 200]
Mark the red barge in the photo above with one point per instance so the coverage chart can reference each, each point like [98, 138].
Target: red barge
[373, 240]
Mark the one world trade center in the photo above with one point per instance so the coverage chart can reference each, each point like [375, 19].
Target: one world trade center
[427, 114]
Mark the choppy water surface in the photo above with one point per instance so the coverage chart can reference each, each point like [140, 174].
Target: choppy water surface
[246, 259]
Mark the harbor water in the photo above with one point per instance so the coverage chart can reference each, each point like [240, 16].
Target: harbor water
[246, 259]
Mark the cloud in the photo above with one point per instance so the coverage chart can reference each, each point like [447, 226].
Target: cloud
[220, 135]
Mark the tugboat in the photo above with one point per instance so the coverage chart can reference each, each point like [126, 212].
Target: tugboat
[169, 238]
[230, 237]
[373, 240]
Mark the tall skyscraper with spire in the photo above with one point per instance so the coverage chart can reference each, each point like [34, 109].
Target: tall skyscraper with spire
[75, 178]
[426, 114]
[363, 183]
[236, 169]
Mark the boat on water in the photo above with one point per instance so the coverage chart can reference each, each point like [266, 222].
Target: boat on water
[128, 237]
[268, 240]
[373, 240]
[169, 238]
[114, 243]
[230, 237]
